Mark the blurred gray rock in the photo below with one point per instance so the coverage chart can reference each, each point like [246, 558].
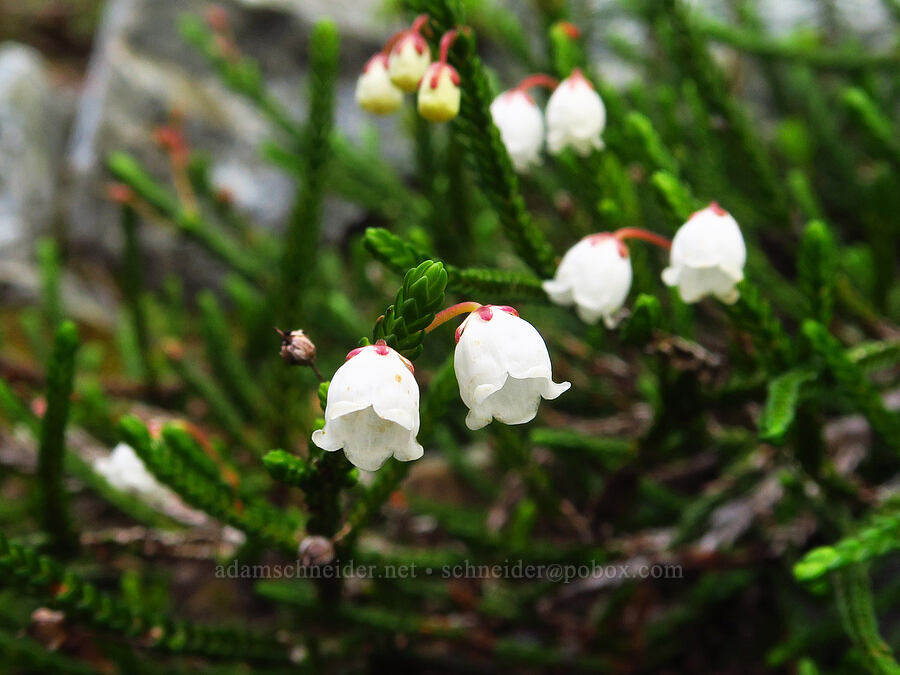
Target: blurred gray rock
[141, 69]
[31, 139]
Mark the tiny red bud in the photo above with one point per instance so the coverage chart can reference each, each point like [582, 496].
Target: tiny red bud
[119, 193]
[570, 29]
[217, 18]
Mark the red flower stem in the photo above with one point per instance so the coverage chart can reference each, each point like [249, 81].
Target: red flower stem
[646, 235]
[419, 23]
[538, 80]
[389, 45]
[447, 40]
[445, 315]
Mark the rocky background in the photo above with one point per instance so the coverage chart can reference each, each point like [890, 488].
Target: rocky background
[101, 76]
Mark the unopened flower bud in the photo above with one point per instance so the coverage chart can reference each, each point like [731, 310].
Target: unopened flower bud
[296, 348]
[408, 60]
[375, 92]
[316, 551]
[439, 93]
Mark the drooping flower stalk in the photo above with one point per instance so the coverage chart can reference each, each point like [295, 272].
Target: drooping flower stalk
[644, 235]
[445, 315]
[537, 80]
[416, 28]
[447, 39]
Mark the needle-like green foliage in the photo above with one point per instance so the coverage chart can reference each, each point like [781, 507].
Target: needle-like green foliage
[722, 471]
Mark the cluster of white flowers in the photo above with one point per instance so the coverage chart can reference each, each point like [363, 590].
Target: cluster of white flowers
[501, 362]
[706, 257]
[404, 66]
[575, 116]
[502, 367]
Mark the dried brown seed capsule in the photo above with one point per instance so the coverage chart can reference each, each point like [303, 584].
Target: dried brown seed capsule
[316, 551]
[296, 348]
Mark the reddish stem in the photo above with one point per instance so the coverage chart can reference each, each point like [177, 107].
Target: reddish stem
[389, 45]
[538, 80]
[419, 23]
[445, 315]
[416, 28]
[646, 235]
[447, 40]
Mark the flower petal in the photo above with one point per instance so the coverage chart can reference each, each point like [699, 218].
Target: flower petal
[476, 420]
[553, 389]
[411, 452]
[558, 291]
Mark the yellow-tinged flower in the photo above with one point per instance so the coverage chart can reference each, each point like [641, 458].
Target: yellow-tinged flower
[439, 93]
[408, 56]
[375, 92]
[408, 61]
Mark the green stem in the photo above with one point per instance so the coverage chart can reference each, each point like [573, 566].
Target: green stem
[55, 508]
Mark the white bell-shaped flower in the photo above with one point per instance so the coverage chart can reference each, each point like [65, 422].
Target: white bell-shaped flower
[125, 471]
[707, 256]
[576, 116]
[503, 367]
[595, 276]
[375, 92]
[408, 60]
[439, 93]
[521, 126]
[373, 409]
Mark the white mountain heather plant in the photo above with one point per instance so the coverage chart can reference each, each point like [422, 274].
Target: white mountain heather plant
[375, 92]
[408, 56]
[697, 438]
[502, 365]
[521, 126]
[439, 93]
[575, 116]
[708, 256]
[595, 276]
[373, 409]
[404, 65]
[521, 122]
